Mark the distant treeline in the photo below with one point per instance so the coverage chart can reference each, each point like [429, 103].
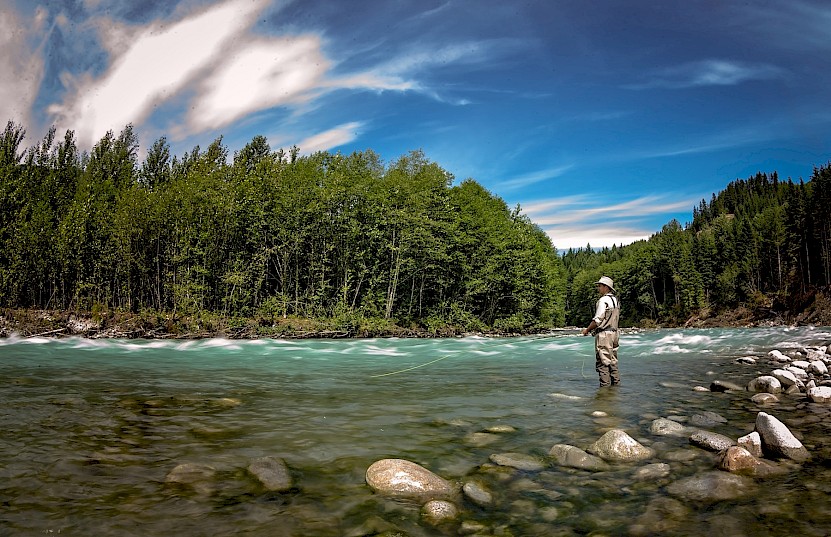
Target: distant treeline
[270, 234]
[762, 244]
[264, 235]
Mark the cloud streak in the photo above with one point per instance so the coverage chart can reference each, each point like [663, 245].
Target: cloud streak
[22, 68]
[574, 221]
[713, 72]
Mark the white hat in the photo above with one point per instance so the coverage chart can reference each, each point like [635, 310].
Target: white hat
[607, 281]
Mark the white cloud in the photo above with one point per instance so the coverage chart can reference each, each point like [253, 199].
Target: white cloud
[342, 134]
[157, 62]
[22, 68]
[261, 74]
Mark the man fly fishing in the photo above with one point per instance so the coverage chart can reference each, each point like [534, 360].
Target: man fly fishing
[604, 327]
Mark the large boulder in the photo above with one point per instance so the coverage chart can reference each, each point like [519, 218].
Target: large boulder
[712, 486]
[616, 445]
[766, 384]
[777, 439]
[272, 473]
[404, 479]
[574, 457]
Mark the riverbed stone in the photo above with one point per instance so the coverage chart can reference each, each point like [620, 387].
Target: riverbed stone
[711, 441]
[574, 457]
[725, 386]
[668, 427]
[820, 394]
[766, 384]
[798, 372]
[752, 442]
[711, 486]
[785, 377]
[818, 367]
[272, 472]
[738, 460]
[477, 493]
[777, 356]
[801, 364]
[197, 477]
[436, 512]
[616, 445]
[764, 399]
[405, 479]
[520, 461]
[777, 440]
[747, 360]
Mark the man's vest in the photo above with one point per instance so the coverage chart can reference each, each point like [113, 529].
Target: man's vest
[611, 316]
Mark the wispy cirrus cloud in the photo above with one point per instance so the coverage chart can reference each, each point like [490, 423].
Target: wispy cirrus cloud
[529, 179]
[577, 221]
[713, 72]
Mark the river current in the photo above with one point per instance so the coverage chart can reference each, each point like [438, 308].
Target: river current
[89, 430]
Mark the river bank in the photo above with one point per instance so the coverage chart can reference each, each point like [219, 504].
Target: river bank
[815, 309]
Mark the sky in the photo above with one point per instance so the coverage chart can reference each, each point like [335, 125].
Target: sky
[603, 120]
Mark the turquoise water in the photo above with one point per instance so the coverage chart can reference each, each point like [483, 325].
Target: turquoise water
[91, 428]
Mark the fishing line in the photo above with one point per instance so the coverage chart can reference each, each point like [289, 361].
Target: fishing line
[411, 368]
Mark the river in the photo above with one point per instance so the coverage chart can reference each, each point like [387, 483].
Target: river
[91, 428]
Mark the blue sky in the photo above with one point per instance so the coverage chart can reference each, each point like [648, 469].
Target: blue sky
[602, 119]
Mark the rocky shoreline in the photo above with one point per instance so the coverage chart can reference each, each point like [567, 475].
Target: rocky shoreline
[740, 465]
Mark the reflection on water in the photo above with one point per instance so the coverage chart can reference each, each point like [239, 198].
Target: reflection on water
[92, 428]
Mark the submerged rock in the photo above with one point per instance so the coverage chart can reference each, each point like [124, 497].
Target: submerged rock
[272, 473]
[405, 479]
[667, 427]
[478, 494]
[777, 439]
[651, 472]
[724, 386]
[707, 419]
[662, 515]
[712, 486]
[520, 461]
[764, 399]
[616, 445]
[574, 457]
[197, 477]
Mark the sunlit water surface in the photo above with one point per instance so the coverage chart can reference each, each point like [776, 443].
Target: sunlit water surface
[91, 428]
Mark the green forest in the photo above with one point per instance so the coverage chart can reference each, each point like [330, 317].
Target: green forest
[268, 238]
